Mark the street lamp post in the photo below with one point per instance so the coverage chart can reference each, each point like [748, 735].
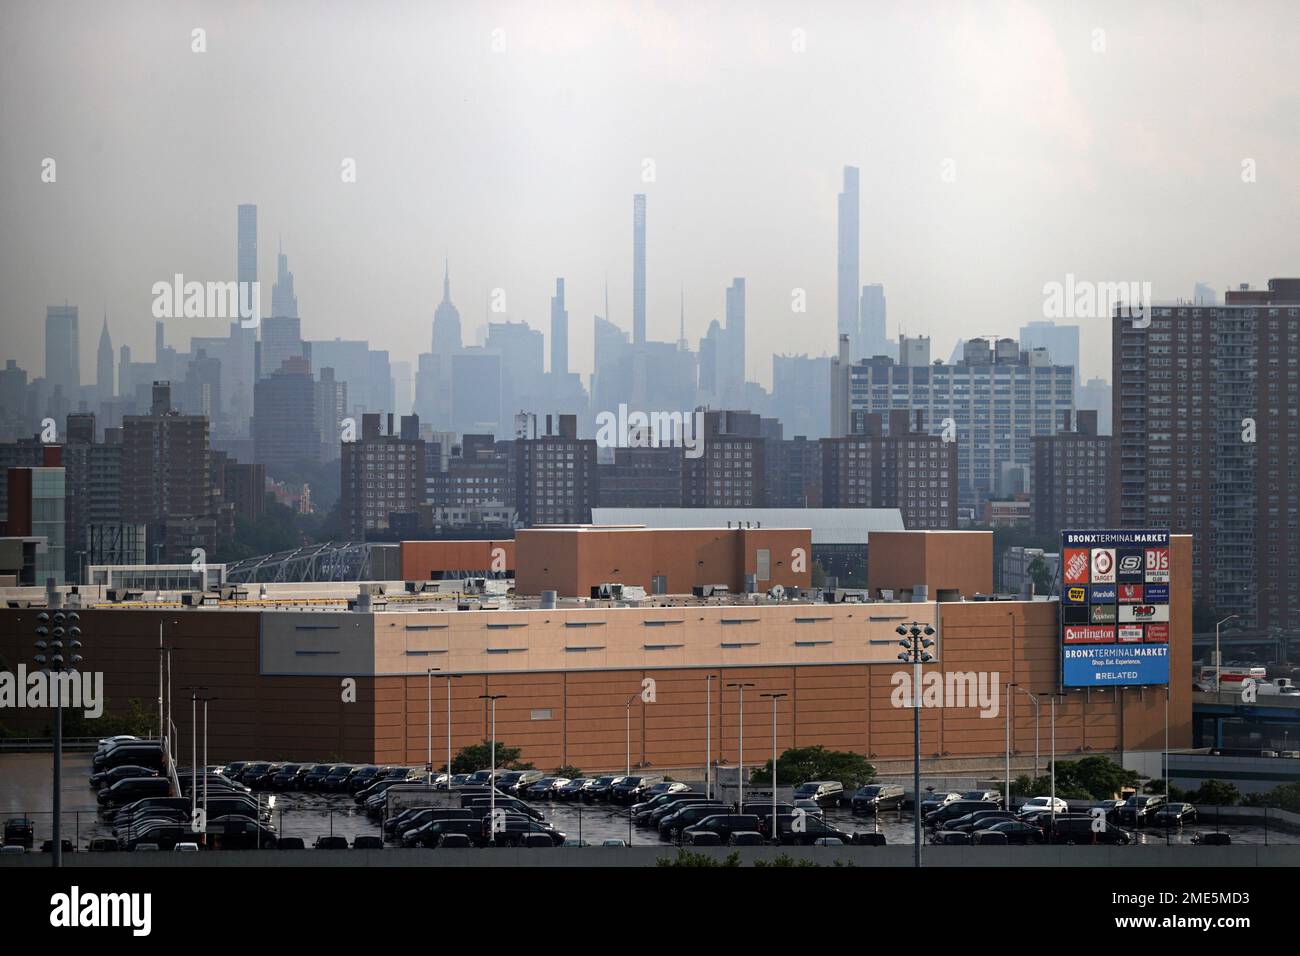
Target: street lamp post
[916, 639]
[492, 780]
[629, 732]
[449, 677]
[776, 832]
[204, 835]
[194, 748]
[708, 736]
[49, 654]
[428, 777]
[1007, 800]
[741, 757]
[1218, 657]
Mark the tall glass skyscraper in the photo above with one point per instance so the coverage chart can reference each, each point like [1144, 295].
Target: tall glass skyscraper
[638, 269]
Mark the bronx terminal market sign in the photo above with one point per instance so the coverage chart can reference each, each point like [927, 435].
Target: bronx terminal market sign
[1114, 608]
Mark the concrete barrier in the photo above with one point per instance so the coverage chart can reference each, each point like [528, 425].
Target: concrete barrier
[857, 856]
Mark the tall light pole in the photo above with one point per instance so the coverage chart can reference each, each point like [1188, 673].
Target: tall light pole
[204, 835]
[1034, 699]
[194, 748]
[1052, 833]
[1218, 657]
[449, 677]
[492, 780]
[776, 832]
[428, 777]
[741, 758]
[1006, 805]
[629, 732]
[916, 639]
[49, 654]
[708, 735]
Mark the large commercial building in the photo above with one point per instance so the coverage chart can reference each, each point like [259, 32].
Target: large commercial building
[382, 475]
[567, 672]
[1207, 436]
[1071, 476]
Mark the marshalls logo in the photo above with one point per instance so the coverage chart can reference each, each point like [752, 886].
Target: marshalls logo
[76, 909]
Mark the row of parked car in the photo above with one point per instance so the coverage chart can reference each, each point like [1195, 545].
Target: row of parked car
[955, 820]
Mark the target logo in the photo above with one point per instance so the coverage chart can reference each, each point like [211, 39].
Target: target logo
[1103, 565]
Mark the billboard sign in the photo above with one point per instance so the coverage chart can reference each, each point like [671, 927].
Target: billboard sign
[1121, 638]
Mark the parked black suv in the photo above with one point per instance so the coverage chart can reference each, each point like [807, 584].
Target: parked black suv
[724, 825]
[808, 832]
[958, 808]
[1138, 809]
[875, 797]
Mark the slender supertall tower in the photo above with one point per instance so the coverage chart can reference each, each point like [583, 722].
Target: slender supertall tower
[446, 320]
[847, 287]
[638, 269]
[559, 332]
[104, 364]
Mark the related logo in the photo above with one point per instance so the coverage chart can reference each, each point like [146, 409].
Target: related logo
[1102, 594]
[1157, 593]
[1076, 566]
[1157, 565]
[1088, 634]
[1157, 633]
[1130, 594]
[1130, 633]
[1103, 614]
[1129, 564]
[1103, 565]
[1141, 613]
[1076, 595]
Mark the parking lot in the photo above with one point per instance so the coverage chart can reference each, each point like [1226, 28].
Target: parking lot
[309, 815]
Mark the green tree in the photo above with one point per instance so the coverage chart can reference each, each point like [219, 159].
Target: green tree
[803, 764]
[1041, 576]
[818, 575]
[479, 757]
[785, 860]
[1157, 787]
[688, 858]
[1285, 797]
[1216, 793]
[573, 773]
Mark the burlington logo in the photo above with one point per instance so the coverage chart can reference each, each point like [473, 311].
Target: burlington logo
[82, 690]
[75, 909]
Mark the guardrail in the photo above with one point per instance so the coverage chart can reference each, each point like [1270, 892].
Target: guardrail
[39, 744]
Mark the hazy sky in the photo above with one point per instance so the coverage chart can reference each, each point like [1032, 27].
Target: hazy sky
[520, 163]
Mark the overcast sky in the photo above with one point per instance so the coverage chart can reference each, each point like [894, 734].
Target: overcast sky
[520, 163]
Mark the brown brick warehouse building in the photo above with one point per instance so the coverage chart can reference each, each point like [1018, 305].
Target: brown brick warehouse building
[568, 672]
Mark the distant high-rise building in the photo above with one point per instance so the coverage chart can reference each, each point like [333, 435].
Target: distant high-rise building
[1095, 394]
[247, 243]
[1205, 437]
[638, 269]
[285, 426]
[1202, 294]
[62, 349]
[476, 391]
[1061, 342]
[331, 407]
[382, 475]
[871, 333]
[555, 475]
[284, 304]
[801, 394]
[281, 340]
[403, 396]
[733, 341]
[446, 320]
[730, 473]
[847, 261]
[104, 386]
[1071, 477]
[559, 332]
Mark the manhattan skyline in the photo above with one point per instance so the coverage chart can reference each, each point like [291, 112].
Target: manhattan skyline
[517, 163]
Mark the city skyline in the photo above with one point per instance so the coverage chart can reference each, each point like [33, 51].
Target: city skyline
[758, 203]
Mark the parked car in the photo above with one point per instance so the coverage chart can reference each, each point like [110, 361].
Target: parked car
[978, 820]
[422, 819]
[337, 779]
[311, 780]
[1016, 831]
[598, 789]
[480, 778]
[936, 800]
[1174, 815]
[508, 804]
[106, 742]
[676, 802]
[988, 838]
[1036, 804]
[106, 778]
[290, 843]
[429, 834]
[131, 752]
[1138, 809]
[722, 825]
[809, 830]
[875, 797]
[647, 783]
[233, 768]
[541, 789]
[251, 771]
[133, 788]
[661, 788]
[626, 789]
[746, 838]
[360, 778]
[331, 843]
[939, 819]
[157, 836]
[950, 838]
[19, 831]
[236, 832]
[1212, 839]
[260, 778]
[641, 811]
[103, 845]
[1079, 828]
[289, 777]
[571, 790]
[763, 808]
[827, 793]
[525, 779]
[988, 796]
[512, 829]
[672, 824]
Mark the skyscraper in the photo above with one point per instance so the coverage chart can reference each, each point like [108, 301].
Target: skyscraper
[638, 269]
[62, 349]
[847, 262]
[1061, 342]
[559, 332]
[284, 303]
[104, 365]
[247, 249]
[446, 321]
[872, 322]
[733, 379]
